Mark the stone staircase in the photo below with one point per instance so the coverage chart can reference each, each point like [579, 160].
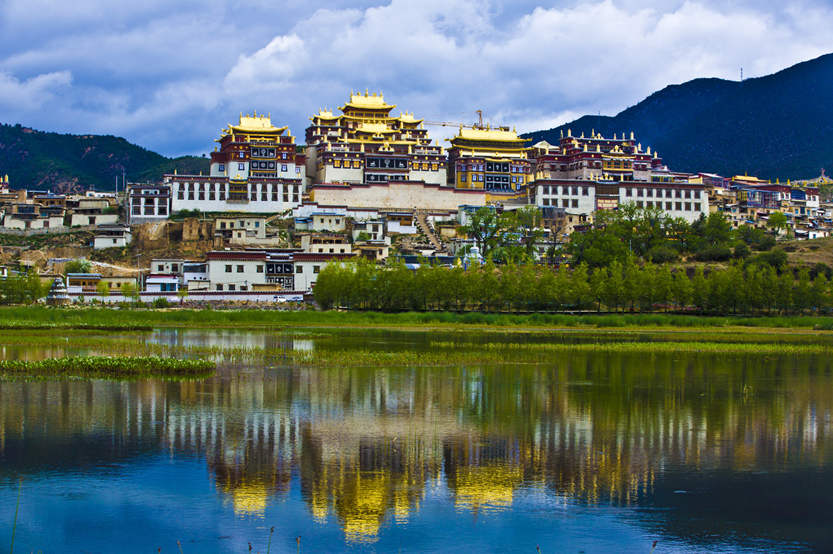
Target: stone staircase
[427, 229]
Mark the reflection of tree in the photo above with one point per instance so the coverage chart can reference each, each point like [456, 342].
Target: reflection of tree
[366, 443]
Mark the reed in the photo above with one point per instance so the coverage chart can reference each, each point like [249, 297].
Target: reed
[16, 511]
[106, 367]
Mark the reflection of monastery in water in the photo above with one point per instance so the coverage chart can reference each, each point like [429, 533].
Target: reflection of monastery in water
[363, 447]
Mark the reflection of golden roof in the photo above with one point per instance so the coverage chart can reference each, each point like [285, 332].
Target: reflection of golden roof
[363, 519]
[254, 124]
[367, 102]
[249, 499]
[486, 487]
[498, 135]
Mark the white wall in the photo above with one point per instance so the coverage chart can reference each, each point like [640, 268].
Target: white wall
[82, 220]
[258, 205]
[194, 296]
[557, 195]
[398, 195]
[249, 275]
[330, 174]
[698, 198]
[111, 242]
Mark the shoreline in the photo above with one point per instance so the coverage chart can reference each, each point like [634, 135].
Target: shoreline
[103, 319]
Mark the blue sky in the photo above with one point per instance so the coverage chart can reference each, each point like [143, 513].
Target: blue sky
[169, 75]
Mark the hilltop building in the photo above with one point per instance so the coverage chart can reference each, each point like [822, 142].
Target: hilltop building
[596, 157]
[366, 145]
[255, 169]
[488, 159]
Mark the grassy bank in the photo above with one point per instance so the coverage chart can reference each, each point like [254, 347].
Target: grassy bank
[105, 367]
[39, 317]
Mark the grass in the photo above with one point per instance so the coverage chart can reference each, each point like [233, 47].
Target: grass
[105, 367]
[457, 348]
[40, 317]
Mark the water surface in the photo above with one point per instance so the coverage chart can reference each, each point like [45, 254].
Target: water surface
[570, 452]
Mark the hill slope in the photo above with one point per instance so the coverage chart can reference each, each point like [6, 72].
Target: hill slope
[41, 160]
[780, 125]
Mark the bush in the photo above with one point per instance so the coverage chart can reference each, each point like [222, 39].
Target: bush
[777, 258]
[767, 242]
[161, 303]
[742, 251]
[714, 254]
[662, 254]
[821, 269]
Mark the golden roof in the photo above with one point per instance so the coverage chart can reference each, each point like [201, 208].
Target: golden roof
[374, 128]
[408, 117]
[495, 135]
[254, 124]
[367, 101]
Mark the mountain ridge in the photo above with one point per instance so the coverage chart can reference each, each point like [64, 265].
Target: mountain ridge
[775, 126]
[63, 162]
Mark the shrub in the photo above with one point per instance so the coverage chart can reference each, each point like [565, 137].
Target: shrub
[741, 250]
[714, 254]
[161, 303]
[776, 258]
[662, 254]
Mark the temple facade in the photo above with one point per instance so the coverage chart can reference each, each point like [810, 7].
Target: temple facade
[256, 168]
[364, 144]
[488, 159]
[595, 157]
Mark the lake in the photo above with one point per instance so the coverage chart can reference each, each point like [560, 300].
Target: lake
[563, 451]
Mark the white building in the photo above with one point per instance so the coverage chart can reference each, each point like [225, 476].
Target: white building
[148, 203]
[160, 282]
[256, 169]
[328, 221]
[195, 275]
[308, 266]
[112, 236]
[236, 270]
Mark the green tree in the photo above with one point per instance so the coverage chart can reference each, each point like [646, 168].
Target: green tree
[130, 291]
[77, 266]
[483, 228]
[778, 222]
[102, 288]
[682, 289]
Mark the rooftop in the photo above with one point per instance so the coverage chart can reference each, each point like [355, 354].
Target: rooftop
[367, 100]
[502, 134]
[254, 124]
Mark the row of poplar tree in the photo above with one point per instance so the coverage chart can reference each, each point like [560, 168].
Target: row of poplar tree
[736, 289]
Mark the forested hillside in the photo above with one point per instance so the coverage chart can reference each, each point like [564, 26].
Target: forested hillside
[41, 160]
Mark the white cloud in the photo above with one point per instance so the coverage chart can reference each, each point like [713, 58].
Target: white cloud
[32, 93]
[448, 58]
[170, 75]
